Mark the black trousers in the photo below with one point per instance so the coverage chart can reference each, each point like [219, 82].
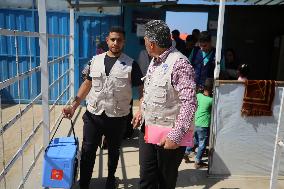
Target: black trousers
[94, 127]
[158, 167]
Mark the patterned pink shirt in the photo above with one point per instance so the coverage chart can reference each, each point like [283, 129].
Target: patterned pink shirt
[183, 83]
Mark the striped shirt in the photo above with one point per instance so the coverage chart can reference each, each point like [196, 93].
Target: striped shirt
[182, 79]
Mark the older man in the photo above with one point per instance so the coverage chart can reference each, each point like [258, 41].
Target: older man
[169, 103]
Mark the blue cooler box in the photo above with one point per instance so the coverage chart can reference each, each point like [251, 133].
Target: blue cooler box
[60, 163]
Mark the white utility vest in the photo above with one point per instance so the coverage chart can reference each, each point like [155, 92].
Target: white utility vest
[111, 93]
[161, 104]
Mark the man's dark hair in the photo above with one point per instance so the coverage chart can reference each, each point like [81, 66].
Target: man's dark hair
[232, 51]
[175, 32]
[208, 86]
[189, 38]
[243, 70]
[117, 29]
[103, 46]
[197, 31]
[205, 36]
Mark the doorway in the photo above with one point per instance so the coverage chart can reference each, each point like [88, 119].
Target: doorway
[194, 20]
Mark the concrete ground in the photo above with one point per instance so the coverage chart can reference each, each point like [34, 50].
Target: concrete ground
[128, 169]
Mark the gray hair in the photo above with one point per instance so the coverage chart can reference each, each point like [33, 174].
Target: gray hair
[158, 32]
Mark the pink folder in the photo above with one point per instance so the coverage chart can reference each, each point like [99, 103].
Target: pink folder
[154, 134]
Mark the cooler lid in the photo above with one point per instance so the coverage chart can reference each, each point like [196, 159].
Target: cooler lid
[63, 147]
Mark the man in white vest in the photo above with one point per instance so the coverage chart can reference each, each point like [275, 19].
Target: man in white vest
[108, 89]
[168, 104]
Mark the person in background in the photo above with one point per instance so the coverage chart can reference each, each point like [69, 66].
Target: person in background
[231, 64]
[101, 48]
[143, 62]
[195, 35]
[86, 71]
[203, 60]
[143, 59]
[189, 45]
[169, 101]
[202, 123]
[243, 72]
[108, 89]
[179, 43]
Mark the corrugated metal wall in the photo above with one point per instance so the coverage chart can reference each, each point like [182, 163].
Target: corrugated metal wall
[28, 53]
[58, 23]
[23, 21]
[90, 30]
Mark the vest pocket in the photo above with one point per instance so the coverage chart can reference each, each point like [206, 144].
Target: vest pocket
[159, 96]
[120, 94]
[121, 79]
[169, 121]
[164, 121]
[122, 105]
[160, 93]
[97, 83]
[93, 104]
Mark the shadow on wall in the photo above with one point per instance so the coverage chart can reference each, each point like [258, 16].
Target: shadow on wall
[217, 167]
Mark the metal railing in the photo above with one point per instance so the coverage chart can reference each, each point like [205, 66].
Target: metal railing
[59, 84]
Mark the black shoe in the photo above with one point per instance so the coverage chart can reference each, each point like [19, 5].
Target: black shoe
[200, 165]
[186, 158]
[111, 183]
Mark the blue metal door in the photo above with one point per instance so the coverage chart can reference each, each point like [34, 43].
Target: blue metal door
[90, 31]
